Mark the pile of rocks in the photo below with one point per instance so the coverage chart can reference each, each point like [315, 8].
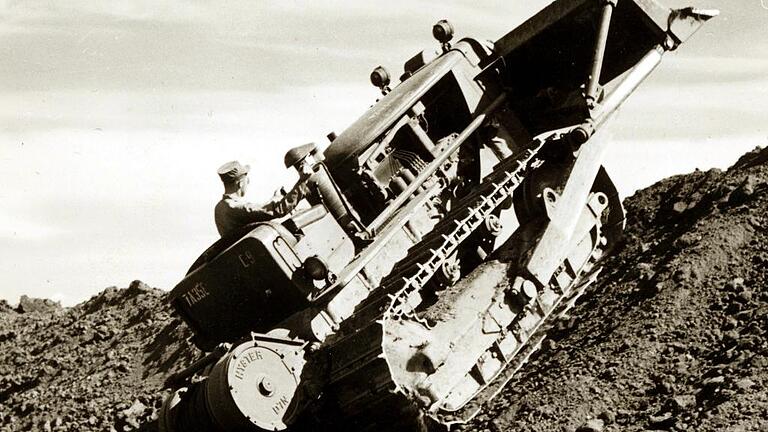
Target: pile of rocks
[97, 366]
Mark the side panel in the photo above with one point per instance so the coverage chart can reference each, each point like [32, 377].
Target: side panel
[246, 288]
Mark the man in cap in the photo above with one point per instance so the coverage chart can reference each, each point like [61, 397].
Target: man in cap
[303, 159]
[233, 212]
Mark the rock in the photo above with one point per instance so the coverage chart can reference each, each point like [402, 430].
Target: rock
[645, 271]
[679, 206]
[735, 284]
[7, 335]
[677, 347]
[731, 337]
[745, 296]
[137, 287]
[730, 323]
[665, 421]
[715, 381]
[687, 274]
[744, 384]
[133, 414]
[608, 417]
[744, 191]
[30, 304]
[686, 241]
[712, 389]
[594, 425]
[5, 307]
[681, 402]
[665, 387]
[756, 222]
[549, 345]
[122, 367]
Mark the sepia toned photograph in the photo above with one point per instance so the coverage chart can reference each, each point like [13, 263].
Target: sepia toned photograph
[335, 215]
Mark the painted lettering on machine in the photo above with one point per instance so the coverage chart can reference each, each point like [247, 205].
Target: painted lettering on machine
[198, 292]
[247, 259]
[244, 361]
[280, 405]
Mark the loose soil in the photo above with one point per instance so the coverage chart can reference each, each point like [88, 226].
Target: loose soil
[98, 366]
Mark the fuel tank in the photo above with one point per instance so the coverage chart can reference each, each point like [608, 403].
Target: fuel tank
[257, 278]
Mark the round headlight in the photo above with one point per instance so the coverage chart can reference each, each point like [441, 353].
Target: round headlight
[443, 31]
[315, 268]
[380, 77]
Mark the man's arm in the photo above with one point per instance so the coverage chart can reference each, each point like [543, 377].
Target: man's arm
[284, 205]
[248, 212]
[231, 215]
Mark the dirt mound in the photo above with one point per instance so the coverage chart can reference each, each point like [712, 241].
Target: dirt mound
[673, 336]
[98, 366]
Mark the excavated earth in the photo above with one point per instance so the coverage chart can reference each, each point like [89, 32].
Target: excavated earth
[672, 337]
[98, 366]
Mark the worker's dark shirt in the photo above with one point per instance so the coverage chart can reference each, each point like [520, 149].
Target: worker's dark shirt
[232, 212]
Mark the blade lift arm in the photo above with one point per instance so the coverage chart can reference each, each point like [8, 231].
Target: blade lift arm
[548, 252]
[599, 52]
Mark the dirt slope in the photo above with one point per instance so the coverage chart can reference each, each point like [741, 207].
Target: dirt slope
[672, 337]
[98, 366]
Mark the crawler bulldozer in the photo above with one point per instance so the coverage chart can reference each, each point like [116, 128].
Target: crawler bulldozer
[447, 229]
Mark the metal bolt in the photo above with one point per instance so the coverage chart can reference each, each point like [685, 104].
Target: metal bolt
[493, 225]
[550, 195]
[451, 271]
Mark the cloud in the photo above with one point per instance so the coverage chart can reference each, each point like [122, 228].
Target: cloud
[264, 45]
[699, 98]
[14, 228]
[241, 45]
[687, 70]
[72, 272]
[226, 112]
[61, 11]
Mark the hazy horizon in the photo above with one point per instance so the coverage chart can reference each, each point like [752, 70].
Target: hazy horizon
[116, 116]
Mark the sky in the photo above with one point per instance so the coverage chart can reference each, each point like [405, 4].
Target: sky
[115, 115]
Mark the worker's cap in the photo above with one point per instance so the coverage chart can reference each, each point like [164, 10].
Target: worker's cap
[297, 154]
[232, 171]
